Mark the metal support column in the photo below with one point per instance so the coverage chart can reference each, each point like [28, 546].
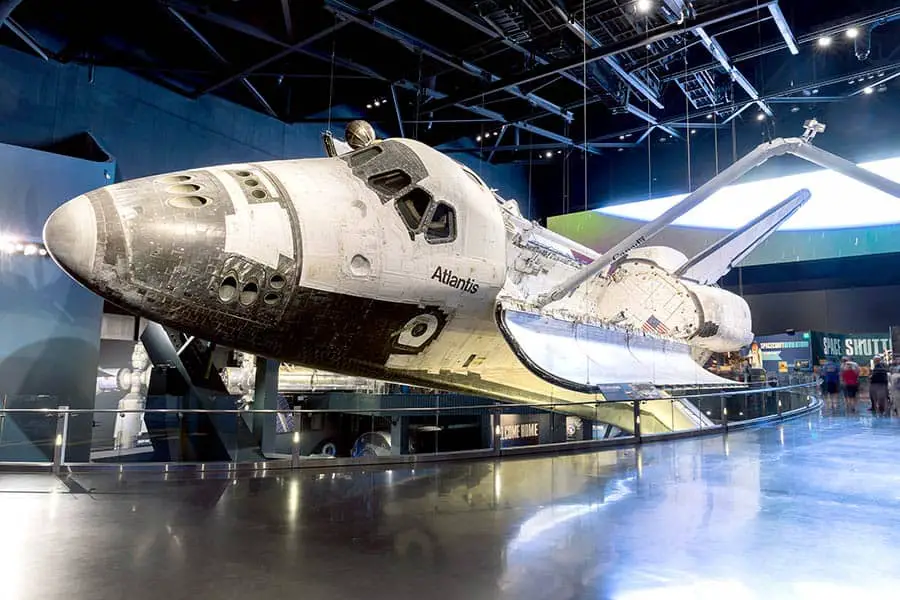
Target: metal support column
[265, 396]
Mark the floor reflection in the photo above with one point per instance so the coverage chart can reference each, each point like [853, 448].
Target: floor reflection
[792, 511]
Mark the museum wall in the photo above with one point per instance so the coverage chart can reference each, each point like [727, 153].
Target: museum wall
[49, 324]
[149, 129]
[846, 310]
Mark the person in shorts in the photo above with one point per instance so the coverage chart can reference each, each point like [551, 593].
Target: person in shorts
[831, 384]
[850, 381]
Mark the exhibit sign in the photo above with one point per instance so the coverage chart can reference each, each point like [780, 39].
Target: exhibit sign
[520, 430]
[860, 347]
[783, 351]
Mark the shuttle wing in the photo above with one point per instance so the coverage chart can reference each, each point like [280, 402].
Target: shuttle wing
[711, 264]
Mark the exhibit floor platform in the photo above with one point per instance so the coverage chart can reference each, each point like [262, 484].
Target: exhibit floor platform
[803, 509]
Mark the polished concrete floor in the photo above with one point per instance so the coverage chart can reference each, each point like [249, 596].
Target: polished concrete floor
[807, 510]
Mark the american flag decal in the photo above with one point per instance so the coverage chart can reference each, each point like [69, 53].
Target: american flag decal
[654, 325]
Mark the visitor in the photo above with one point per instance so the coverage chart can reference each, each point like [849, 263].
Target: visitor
[895, 386]
[878, 386]
[831, 383]
[850, 379]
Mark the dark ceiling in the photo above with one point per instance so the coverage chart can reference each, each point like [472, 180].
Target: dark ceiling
[592, 74]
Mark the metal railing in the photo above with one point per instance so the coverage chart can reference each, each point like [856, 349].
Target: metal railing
[60, 438]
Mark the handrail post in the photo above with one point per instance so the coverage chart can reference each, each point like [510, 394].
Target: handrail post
[497, 429]
[724, 407]
[295, 441]
[636, 407]
[59, 444]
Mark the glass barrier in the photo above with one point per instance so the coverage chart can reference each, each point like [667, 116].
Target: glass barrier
[363, 428]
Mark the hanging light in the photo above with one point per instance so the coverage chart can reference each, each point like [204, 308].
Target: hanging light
[853, 33]
[693, 131]
[824, 41]
[643, 6]
[369, 105]
[868, 90]
[761, 117]
[477, 138]
[549, 154]
[709, 116]
[621, 137]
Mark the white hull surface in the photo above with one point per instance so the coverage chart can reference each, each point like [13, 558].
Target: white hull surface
[395, 262]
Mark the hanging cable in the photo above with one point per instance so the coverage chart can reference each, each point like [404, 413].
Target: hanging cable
[331, 75]
[687, 113]
[584, 137]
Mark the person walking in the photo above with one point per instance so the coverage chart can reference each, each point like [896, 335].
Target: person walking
[878, 386]
[831, 382]
[850, 379]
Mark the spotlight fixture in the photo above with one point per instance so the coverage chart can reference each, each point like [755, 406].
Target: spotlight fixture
[377, 103]
[643, 6]
[559, 151]
[761, 117]
[824, 41]
[693, 131]
[709, 116]
[369, 105]
[795, 109]
[621, 137]
[477, 138]
[549, 154]
[853, 33]
[868, 90]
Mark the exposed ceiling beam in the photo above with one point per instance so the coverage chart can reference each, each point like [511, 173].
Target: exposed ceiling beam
[373, 23]
[714, 48]
[784, 28]
[514, 147]
[26, 38]
[785, 96]
[218, 56]
[492, 33]
[586, 37]
[6, 8]
[288, 19]
[486, 114]
[711, 17]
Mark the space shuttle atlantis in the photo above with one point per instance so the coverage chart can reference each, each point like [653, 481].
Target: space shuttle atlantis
[395, 262]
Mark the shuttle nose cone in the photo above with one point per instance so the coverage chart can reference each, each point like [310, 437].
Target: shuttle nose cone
[70, 235]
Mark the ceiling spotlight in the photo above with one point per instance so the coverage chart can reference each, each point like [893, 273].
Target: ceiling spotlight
[761, 117]
[30, 249]
[824, 41]
[693, 131]
[477, 138]
[868, 90]
[42, 252]
[621, 149]
[549, 154]
[709, 116]
[621, 137]
[369, 105]
[853, 33]
[559, 151]
[643, 6]
[377, 103]
[795, 109]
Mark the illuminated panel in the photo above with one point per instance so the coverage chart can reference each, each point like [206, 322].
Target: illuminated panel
[843, 218]
[837, 202]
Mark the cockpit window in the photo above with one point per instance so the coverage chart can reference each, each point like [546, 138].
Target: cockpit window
[413, 207]
[358, 158]
[390, 182]
[442, 225]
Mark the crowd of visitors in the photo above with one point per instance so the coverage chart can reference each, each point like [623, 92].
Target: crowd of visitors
[841, 382]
